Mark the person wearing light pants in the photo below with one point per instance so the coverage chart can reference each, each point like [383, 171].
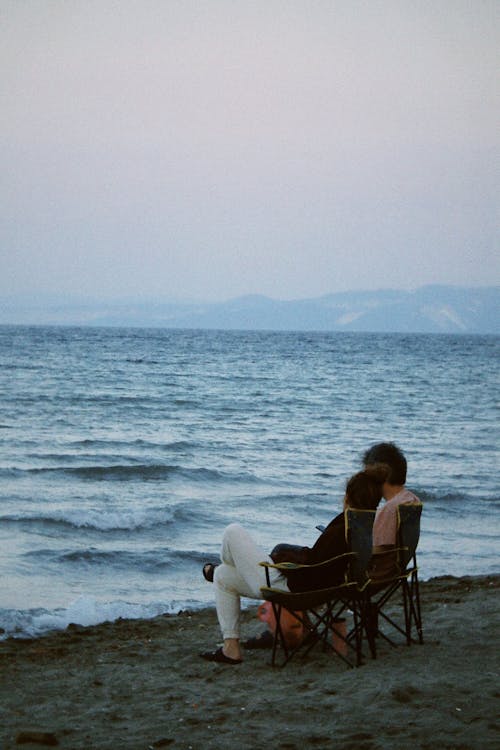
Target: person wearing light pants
[240, 574]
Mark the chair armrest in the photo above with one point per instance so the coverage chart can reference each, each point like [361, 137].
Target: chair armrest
[283, 565]
[380, 554]
[286, 566]
[299, 566]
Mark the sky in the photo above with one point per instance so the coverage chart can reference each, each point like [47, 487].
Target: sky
[207, 149]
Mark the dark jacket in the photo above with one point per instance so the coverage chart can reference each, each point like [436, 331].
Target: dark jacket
[330, 543]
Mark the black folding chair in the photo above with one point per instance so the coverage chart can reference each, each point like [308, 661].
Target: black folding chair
[392, 572]
[320, 611]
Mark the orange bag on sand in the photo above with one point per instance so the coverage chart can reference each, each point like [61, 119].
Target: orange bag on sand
[292, 629]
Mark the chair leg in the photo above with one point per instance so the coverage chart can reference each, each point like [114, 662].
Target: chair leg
[371, 625]
[279, 639]
[319, 627]
[407, 610]
[420, 629]
[377, 614]
[358, 635]
[415, 612]
[410, 602]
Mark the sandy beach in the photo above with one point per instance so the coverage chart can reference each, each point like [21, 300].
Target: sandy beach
[141, 684]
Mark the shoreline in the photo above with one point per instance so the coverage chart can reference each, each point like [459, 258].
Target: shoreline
[140, 684]
[83, 615]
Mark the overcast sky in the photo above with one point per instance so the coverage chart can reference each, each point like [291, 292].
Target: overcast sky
[204, 149]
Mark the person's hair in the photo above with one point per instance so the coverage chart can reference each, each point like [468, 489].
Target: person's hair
[392, 456]
[364, 489]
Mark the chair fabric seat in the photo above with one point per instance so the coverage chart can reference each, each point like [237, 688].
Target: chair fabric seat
[306, 599]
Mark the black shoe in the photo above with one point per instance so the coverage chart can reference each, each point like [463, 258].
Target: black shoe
[208, 572]
[220, 657]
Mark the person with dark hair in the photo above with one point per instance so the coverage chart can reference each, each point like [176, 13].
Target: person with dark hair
[363, 492]
[394, 492]
[239, 573]
[390, 455]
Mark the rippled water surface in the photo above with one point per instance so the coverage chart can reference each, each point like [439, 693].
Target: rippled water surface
[124, 453]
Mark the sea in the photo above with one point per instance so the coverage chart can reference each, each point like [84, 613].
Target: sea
[124, 453]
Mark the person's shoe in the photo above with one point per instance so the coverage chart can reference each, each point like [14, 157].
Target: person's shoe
[220, 657]
[264, 640]
[208, 572]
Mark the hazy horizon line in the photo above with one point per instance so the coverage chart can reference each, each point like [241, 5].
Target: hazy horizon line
[47, 297]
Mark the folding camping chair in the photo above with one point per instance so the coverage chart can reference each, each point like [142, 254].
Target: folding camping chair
[384, 585]
[320, 611]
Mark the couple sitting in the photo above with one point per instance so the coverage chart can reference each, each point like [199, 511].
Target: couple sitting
[239, 574]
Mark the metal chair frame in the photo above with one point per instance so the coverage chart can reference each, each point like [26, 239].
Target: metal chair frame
[318, 611]
[379, 592]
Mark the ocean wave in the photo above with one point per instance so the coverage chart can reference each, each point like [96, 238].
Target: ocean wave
[454, 499]
[169, 445]
[103, 520]
[141, 361]
[129, 472]
[67, 458]
[149, 561]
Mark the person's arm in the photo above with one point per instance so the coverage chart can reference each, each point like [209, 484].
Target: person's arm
[290, 553]
[329, 544]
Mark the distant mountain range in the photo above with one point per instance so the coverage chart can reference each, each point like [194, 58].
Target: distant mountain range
[430, 309]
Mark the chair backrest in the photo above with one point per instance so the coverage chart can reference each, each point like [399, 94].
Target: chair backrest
[359, 527]
[408, 531]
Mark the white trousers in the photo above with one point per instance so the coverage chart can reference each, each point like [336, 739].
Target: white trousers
[240, 575]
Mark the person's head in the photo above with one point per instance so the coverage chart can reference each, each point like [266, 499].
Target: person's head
[364, 490]
[392, 456]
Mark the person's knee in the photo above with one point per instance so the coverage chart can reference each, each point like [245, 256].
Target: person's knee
[223, 578]
[233, 531]
[218, 575]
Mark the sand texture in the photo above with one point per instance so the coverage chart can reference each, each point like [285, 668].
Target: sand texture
[141, 684]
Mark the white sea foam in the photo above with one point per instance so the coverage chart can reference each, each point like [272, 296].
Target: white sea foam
[99, 519]
[116, 519]
[85, 611]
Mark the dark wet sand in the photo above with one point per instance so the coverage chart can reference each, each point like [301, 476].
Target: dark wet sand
[141, 684]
